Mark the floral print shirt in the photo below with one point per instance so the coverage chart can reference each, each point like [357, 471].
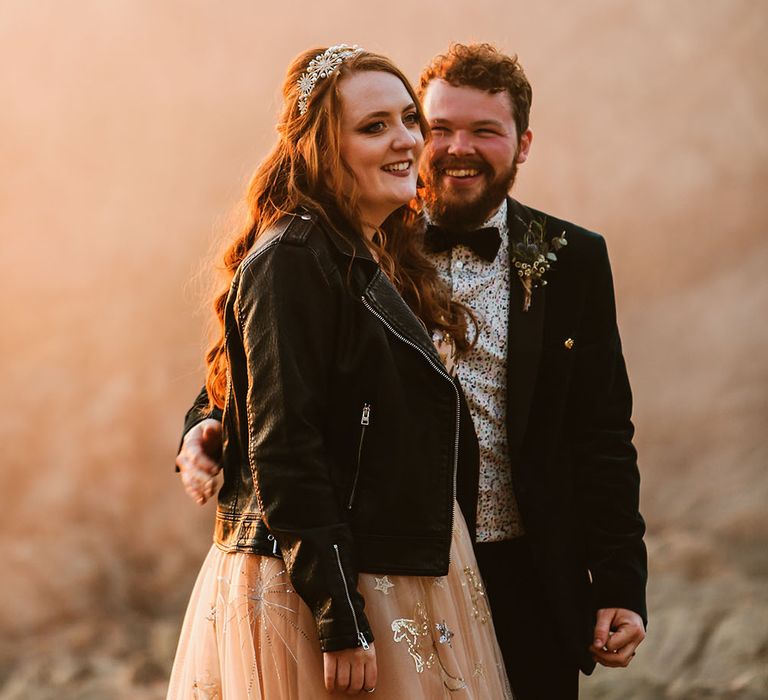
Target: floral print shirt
[484, 287]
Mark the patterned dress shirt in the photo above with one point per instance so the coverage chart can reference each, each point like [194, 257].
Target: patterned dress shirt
[484, 287]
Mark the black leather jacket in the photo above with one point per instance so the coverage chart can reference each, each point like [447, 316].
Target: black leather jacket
[345, 439]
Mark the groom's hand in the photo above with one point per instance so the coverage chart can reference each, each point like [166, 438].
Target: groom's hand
[618, 632]
[198, 460]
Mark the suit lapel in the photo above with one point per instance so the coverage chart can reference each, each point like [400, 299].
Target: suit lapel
[523, 341]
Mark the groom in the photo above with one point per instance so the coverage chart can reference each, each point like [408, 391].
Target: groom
[559, 535]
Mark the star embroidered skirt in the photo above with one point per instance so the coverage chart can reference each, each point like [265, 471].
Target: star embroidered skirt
[248, 636]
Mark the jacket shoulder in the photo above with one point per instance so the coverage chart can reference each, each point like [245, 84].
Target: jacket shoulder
[578, 234]
[291, 260]
[583, 244]
[299, 230]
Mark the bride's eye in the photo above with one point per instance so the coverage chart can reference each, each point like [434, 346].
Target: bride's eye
[374, 128]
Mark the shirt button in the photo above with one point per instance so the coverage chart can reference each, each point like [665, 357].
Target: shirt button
[459, 265]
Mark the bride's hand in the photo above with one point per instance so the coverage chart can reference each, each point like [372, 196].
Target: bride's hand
[350, 670]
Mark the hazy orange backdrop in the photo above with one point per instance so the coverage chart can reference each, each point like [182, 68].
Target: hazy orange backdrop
[127, 131]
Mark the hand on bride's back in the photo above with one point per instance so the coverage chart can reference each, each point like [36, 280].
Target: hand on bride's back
[198, 460]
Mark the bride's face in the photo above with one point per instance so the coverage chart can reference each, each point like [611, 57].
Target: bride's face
[380, 141]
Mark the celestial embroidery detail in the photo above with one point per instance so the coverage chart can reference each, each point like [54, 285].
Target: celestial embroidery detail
[480, 607]
[479, 671]
[410, 631]
[211, 616]
[439, 582]
[417, 635]
[259, 604]
[445, 634]
[206, 689]
[383, 584]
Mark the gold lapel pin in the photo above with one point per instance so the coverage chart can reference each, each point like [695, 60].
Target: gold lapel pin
[568, 344]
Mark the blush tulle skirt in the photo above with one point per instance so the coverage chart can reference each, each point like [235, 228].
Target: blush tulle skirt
[248, 636]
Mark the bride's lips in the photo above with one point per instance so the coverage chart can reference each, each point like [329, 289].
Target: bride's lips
[400, 168]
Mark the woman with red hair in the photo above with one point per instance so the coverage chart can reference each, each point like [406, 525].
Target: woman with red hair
[347, 443]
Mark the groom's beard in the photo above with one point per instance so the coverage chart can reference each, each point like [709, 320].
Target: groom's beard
[453, 209]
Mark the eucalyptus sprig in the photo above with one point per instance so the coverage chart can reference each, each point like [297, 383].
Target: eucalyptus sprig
[533, 256]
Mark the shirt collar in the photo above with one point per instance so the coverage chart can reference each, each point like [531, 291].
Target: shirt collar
[498, 220]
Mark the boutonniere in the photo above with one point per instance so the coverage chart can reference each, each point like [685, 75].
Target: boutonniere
[533, 256]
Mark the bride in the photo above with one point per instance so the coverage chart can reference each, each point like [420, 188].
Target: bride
[341, 561]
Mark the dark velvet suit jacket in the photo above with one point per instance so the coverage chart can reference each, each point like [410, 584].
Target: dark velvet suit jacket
[570, 435]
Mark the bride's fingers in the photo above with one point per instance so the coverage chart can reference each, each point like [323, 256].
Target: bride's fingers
[371, 675]
[329, 671]
[356, 677]
[343, 672]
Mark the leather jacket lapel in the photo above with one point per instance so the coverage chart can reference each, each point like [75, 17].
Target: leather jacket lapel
[390, 306]
[524, 340]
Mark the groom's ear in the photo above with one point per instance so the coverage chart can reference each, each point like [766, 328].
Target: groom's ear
[524, 146]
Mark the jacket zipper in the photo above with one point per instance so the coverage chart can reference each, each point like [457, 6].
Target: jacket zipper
[443, 373]
[360, 636]
[365, 420]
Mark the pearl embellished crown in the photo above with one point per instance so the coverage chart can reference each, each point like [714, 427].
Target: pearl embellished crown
[321, 66]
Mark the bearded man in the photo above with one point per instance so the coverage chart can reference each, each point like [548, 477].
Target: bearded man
[559, 536]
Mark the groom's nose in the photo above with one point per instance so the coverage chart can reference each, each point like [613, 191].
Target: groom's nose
[461, 144]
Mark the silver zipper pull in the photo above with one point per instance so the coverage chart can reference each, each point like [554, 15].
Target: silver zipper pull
[363, 641]
[273, 539]
[366, 417]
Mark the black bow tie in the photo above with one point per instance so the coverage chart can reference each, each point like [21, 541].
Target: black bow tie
[485, 241]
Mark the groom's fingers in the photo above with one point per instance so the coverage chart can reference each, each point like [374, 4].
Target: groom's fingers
[619, 639]
[602, 627]
[618, 659]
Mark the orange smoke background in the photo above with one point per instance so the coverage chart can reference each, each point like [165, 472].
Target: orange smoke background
[127, 132]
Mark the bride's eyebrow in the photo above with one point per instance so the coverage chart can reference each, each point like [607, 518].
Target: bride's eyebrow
[384, 113]
[373, 115]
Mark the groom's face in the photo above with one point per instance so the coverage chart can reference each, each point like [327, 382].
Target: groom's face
[471, 161]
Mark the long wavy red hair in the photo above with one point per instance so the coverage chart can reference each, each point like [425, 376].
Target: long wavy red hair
[305, 169]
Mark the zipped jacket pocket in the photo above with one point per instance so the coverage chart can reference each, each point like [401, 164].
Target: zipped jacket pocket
[365, 420]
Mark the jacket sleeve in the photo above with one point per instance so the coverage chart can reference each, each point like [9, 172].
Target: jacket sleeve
[288, 317]
[605, 458]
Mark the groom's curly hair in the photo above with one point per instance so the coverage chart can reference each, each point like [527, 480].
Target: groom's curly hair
[484, 67]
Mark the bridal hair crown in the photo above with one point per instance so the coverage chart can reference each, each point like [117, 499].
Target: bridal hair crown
[321, 66]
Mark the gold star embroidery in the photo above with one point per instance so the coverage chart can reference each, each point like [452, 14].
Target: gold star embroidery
[480, 607]
[383, 584]
[439, 582]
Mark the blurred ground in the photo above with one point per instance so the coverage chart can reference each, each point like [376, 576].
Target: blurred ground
[127, 130]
